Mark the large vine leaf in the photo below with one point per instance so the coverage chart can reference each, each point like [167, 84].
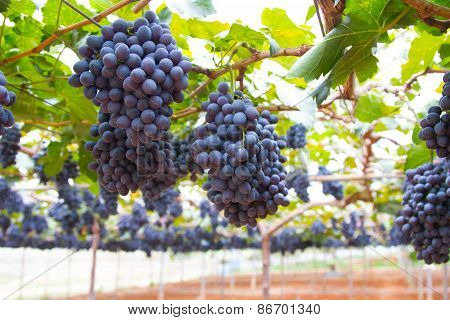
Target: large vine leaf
[4, 4]
[20, 7]
[348, 47]
[371, 107]
[195, 8]
[421, 54]
[239, 32]
[284, 31]
[417, 155]
[67, 16]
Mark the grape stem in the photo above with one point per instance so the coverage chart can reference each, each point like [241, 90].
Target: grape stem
[257, 56]
[84, 15]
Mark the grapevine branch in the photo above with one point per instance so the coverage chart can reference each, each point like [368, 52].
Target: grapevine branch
[27, 151]
[55, 36]
[349, 177]
[272, 229]
[324, 108]
[257, 56]
[140, 5]
[427, 11]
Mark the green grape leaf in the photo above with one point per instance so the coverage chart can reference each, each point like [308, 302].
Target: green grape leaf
[28, 32]
[53, 161]
[284, 31]
[239, 32]
[67, 16]
[195, 28]
[4, 4]
[421, 54]
[418, 154]
[311, 12]
[20, 7]
[164, 14]
[348, 47]
[444, 53]
[371, 107]
[199, 8]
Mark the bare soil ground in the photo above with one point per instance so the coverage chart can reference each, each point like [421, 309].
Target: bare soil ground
[375, 284]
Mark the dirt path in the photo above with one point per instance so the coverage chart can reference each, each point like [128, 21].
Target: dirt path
[380, 284]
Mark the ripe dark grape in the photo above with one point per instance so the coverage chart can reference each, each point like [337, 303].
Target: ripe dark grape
[334, 188]
[245, 168]
[436, 125]
[296, 136]
[7, 99]
[425, 214]
[9, 146]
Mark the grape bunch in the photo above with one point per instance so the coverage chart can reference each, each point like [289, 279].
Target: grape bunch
[123, 166]
[68, 194]
[167, 204]
[215, 219]
[296, 136]
[425, 216]
[334, 188]
[9, 146]
[288, 240]
[10, 201]
[109, 202]
[34, 224]
[300, 184]
[67, 218]
[133, 72]
[241, 152]
[131, 223]
[7, 98]
[318, 227]
[182, 163]
[436, 125]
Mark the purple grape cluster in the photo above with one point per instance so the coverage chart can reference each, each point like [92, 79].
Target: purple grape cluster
[300, 184]
[133, 72]
[215, 219]
[7, 98]
[436, 125]
[123, 166]
[131, 223]
[334, 188]
[109, 202]
[241, 152]
[34, 224]
[10, 201]
[183, 164]
[318, 227]
[425, 216]
[67, 193]
[296, 136]
[168, 203]
[9, 146]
